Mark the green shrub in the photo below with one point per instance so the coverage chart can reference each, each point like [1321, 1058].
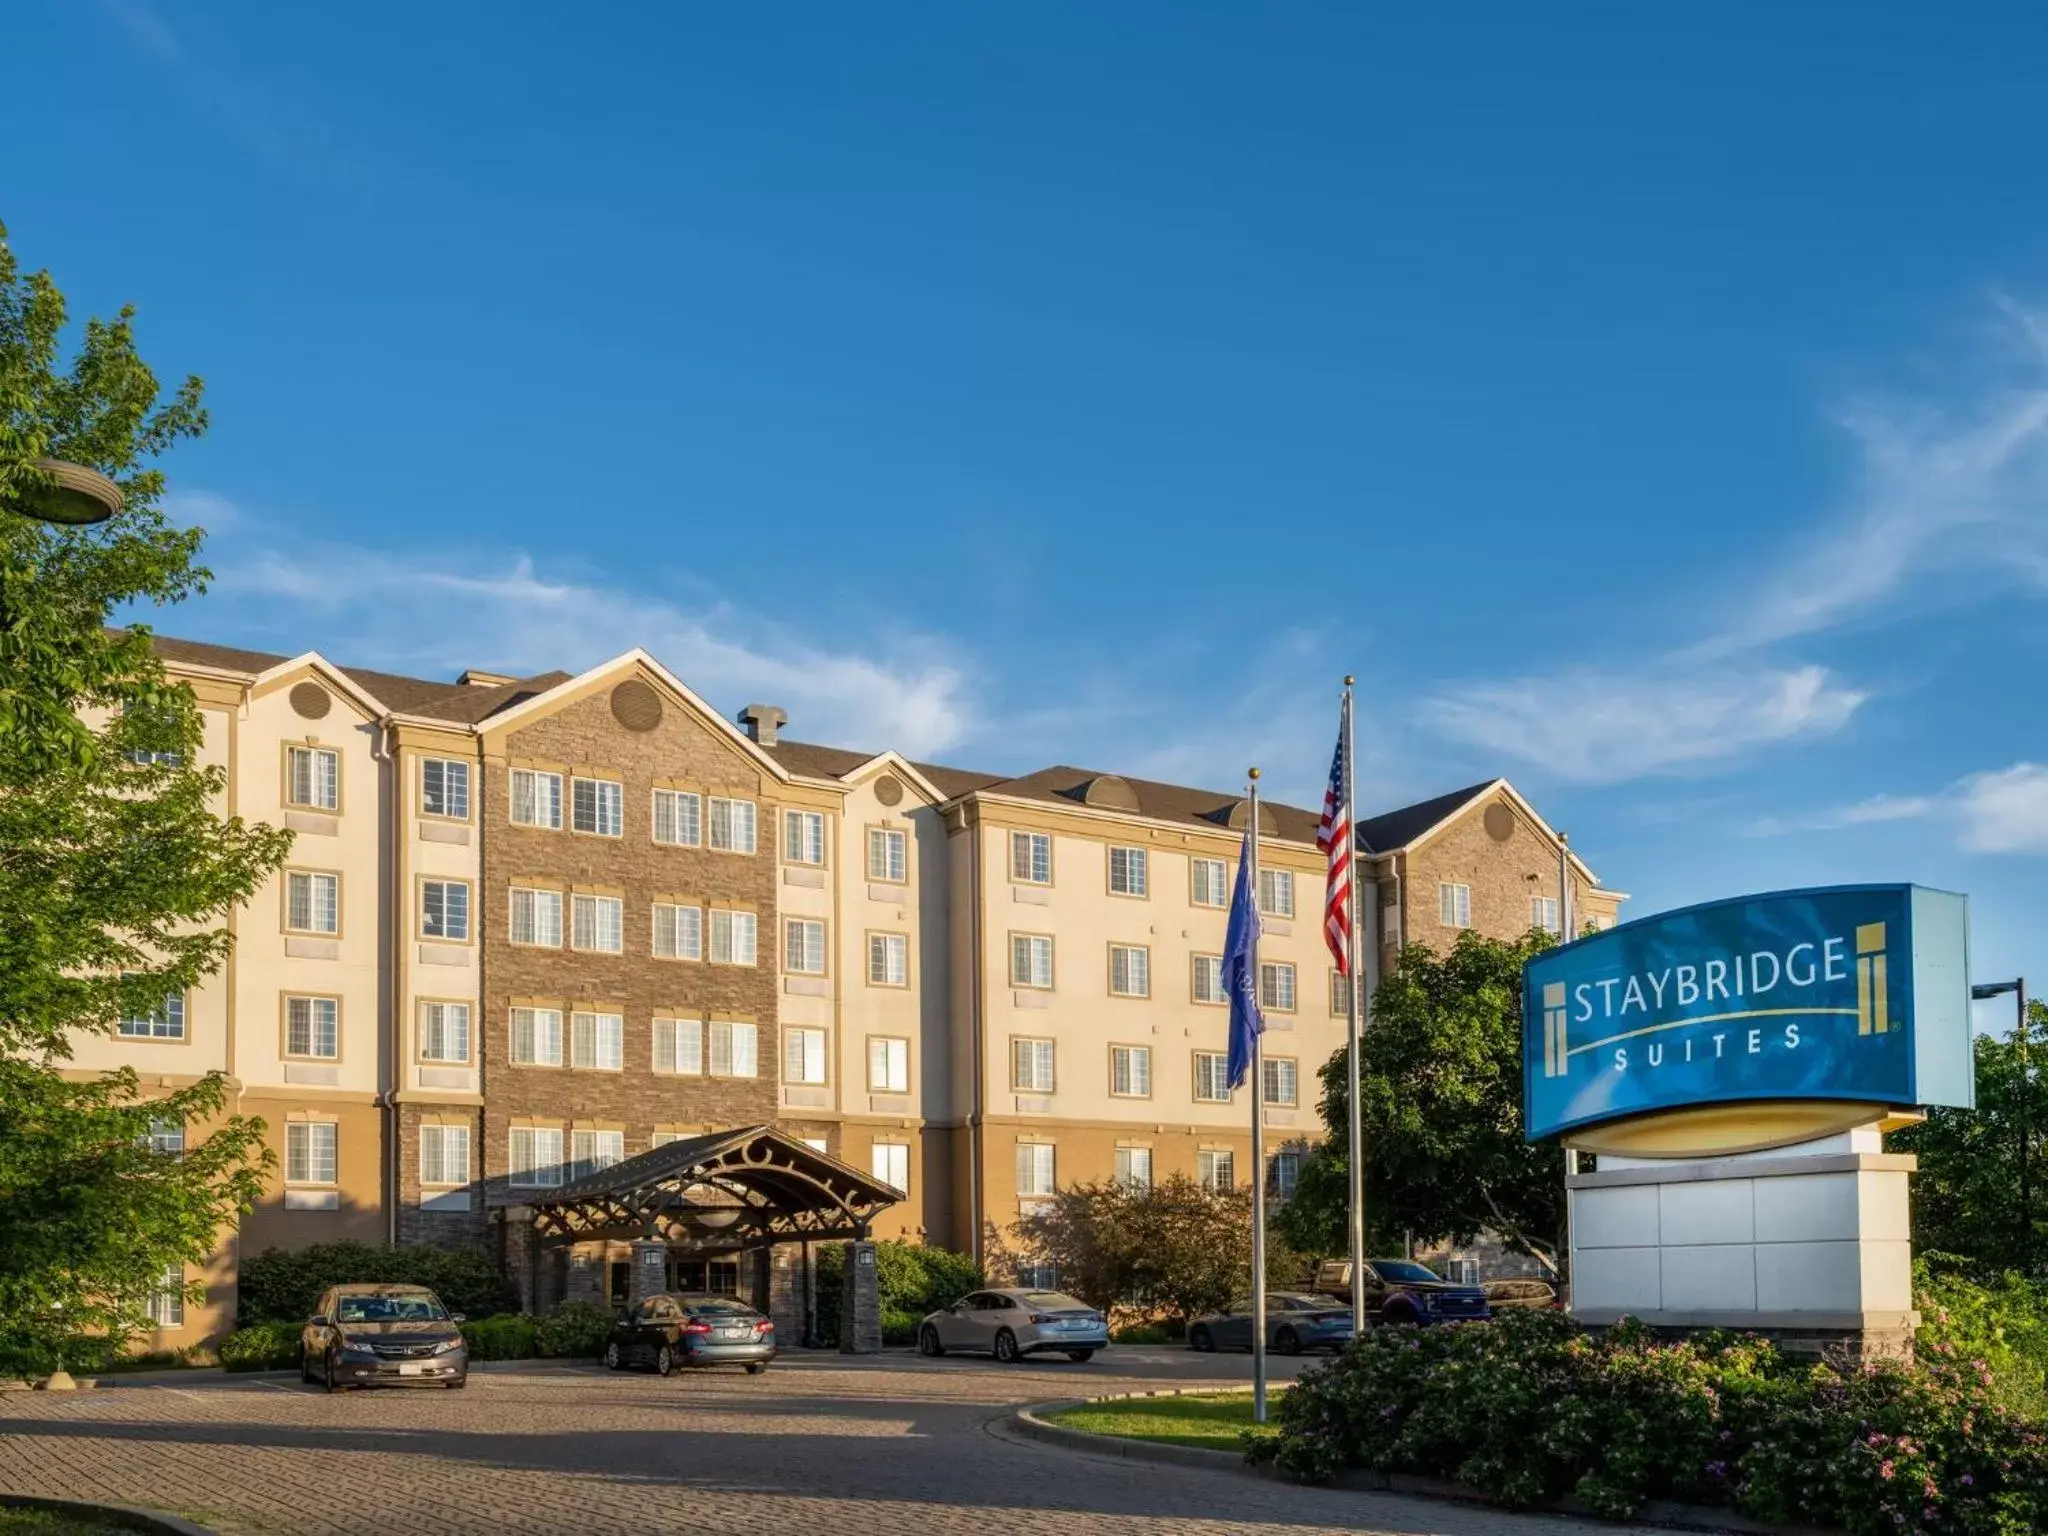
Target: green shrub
[280, 1286]
[508, 1336]
[900, 1327]
[2004, 1324]
[913, 1280]
[261, 1347]
[576, 1330]
[1145, 1333]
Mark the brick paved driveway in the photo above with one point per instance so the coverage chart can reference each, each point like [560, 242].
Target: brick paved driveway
[817, 1445]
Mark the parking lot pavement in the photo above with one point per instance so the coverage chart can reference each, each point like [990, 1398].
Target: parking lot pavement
[891, 1444]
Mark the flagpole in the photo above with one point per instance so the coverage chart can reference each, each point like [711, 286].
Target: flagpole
[1258, 1094]
[1564, 889]
[1355, 1001]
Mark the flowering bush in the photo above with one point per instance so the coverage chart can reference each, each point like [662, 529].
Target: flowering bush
[1528, 1411]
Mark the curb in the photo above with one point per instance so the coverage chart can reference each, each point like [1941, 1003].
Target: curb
[126, 1515]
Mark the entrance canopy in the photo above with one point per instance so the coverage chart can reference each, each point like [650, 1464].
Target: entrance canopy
[729, 1190]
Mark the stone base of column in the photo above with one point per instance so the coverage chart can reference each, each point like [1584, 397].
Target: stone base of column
[860, 1302]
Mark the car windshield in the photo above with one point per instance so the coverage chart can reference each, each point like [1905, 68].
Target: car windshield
[1055, 1301]
[1401, 1272]
[416, 1308]
[718, 1306]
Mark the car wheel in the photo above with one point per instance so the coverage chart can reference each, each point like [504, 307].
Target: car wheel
[1080, 1356]
[1006, 1348]
[664, 1361]
[333, 1382]
[612, 1359]
[1201, 1341]
[1399, 1315]
[1287, 1341]
[755, 1370]
[928, 1342]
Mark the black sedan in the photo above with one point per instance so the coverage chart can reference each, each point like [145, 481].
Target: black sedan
[1295, 1321]
[383, 1336]
[668, 1332]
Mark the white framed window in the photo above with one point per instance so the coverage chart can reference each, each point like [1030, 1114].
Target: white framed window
[803, 1055]
[889, 1161]
[733, 936]
[536, 917]
[1216, 1169]
[1286, 1173]
[309, 1149]
[663, 1138]
[1130, 1071]
[1276, 892]
[444, 910]
[535, 1157]
[597, 806]
[732, 825]
[735, 1049]
[1031, 1066]
[803, 837]
[313, 778]
[167, 1137]
[679, 1047]
[164, 1022]
[1454, 905]
[1276, 985]
[888, 855]
[1039, 1275]
[599, 924]
[444, 1032]
[444, 788]
[1130, 970]
[1283, 1081]
[1209, 882]
[592, 1150]
[312, 1027]
[444, 1154]
[536, 799]
[678, 818]
[1129, 872]
[312, 902]
[537, 1037]
[803, 946]
[888, 1064]
[167, 1301]
[597, 1041]
[817, 1144]
[1543, 913]
[1031, 858]
[1035, 1168]
[1212, 1077]
[1340, 994]
[1134, 1167]
[1209, 979]
[1030, 960]
[888, 960]
[678, 932]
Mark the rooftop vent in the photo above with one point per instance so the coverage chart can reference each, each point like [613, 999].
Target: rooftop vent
[474, 678]
[761, 722]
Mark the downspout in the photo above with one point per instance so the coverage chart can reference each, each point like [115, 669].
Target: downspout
[387, 1096]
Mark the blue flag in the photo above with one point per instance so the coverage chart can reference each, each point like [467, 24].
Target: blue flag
[1240, 975]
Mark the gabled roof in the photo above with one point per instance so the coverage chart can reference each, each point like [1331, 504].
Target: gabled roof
[1398, 828]
[430, 698]
[1156, 802]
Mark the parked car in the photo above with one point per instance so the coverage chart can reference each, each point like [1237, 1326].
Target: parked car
[670, 1331]
[1402, 1291]
[1295, 1321]
[383, 1335]
[1011, 1324]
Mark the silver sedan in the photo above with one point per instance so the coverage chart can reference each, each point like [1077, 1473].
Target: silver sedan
[1011, 1324]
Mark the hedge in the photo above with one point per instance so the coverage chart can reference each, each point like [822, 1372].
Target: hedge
[574, 1330]
[280, 1286]
[261, 1347]
[913, 1280]
[506, 1337]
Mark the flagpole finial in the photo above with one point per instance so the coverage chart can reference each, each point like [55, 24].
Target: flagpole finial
[1564, 839]
[1349, 679]
[1255, 775]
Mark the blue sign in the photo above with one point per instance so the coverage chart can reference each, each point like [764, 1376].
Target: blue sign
[1858, 993]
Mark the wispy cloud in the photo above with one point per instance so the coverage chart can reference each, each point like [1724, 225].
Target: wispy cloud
[2000, 810]
[1871, 810]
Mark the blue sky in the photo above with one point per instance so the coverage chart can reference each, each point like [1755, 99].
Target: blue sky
[1652, 409]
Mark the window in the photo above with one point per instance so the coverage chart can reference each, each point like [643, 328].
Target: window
[598, 923]
[1209, 979]
[735, 1049]
[537, 917]
[888, 855]
[536, 799]
[679, 1046]
[662, 1139]
[678, 818]
[444, 788]
[1286, 1172]
[732, 825]
[313, 778]
[597, 806]
[537, 1036]
[1130, 1071]
[1276, 892]
[1340, 994]
[1134, 1167]
[1454, 905]
[597, 1041]
[312, 903]
[1127, 871]
[888, 1065]
[167, 1137]
[312, 1027]
[1030, 960]
[1130, 970]
[1276, 985]
[817, 1144]
[890, 1162]
[803, 946]
[888, 960]
[1034, 1168]
[536, 1157]
[164, 1022]
[444, 910]
[803, 1056]
[1031, 857]
[733, 936]
[444, 1154]
[1039, 1276]
[1212, 1077]
[444, 1032]
[1211, 882]
[1543, 913]
[1216, 1170]
[1031, 1066]
[1282, 1081]
[803, 837]
[309, 1152]
[592, 1150]
[167, 1301]
[678, 932]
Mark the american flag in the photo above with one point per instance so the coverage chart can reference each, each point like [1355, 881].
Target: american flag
[1333, 836]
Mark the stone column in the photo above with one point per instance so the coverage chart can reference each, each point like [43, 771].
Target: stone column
[517, 1254]
[860, 1302]
[649, 1273]
[786, 1295]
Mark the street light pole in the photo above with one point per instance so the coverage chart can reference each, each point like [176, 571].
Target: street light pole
[2018, 987]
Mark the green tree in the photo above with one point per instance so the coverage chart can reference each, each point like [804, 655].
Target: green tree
[116, 874]
[1441, 1108]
